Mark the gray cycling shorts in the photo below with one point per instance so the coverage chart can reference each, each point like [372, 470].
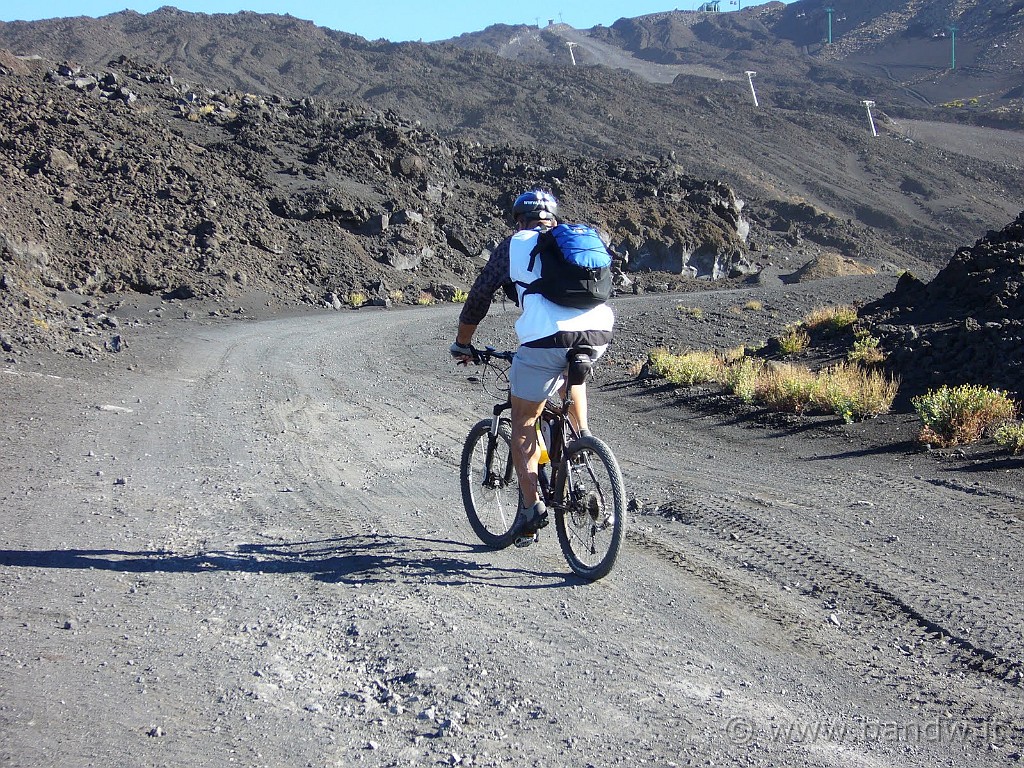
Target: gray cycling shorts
[538, 373]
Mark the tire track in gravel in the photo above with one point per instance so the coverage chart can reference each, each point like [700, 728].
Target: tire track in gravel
[308, 426]
[336, 402]
[958, 618]
[825, 526]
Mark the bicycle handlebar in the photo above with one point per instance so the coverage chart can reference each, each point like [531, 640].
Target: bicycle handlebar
[484, 356]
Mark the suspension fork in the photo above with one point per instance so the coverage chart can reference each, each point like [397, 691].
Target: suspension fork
[492, 441]
[498, 409]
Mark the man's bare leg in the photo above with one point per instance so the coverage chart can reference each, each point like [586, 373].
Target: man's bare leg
[578, 408]
[525, 449]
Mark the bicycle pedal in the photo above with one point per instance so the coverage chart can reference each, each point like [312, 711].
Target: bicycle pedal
[525, 541]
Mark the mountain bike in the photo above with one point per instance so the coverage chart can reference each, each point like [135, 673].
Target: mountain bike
[580, 481]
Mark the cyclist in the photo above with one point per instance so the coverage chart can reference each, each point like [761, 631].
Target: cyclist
[547, 332]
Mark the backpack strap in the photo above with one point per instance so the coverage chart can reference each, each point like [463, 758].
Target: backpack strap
[542, 244]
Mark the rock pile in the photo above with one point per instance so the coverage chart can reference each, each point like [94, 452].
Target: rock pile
[128, 180]
[964, 327]
[885, 200]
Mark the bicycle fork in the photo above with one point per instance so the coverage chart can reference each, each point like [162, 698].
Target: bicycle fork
[496, 476]
[498, 409]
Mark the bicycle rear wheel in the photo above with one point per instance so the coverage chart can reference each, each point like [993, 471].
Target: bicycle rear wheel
[490, 488]
[590, 514]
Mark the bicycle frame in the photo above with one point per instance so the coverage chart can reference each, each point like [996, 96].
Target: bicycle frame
[581, 483]
[561, 431]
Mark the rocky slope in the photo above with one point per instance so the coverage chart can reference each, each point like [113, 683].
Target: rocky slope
[966, 326]
[179, 155]
[127, 180]
[515, 85]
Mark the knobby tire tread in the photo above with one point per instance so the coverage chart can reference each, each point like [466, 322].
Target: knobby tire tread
[472, 491]
[604, 454]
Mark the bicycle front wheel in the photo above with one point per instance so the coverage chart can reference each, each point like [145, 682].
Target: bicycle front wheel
[490, 488]
[590, 511]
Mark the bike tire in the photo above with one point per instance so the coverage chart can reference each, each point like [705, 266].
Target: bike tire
[590, 507]
[490, 487]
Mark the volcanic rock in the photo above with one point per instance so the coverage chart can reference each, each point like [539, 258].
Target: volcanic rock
[966, 326]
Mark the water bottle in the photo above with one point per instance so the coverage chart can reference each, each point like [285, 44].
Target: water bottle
[543, 438]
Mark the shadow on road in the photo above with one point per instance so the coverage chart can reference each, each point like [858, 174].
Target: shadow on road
[371, 559]
[904, 448]
[993, 461]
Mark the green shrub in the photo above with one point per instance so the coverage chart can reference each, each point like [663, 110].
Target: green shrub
[794, 340]
[958, 415]
[865, 349]
[687, 369]
[460, 296]
[1011, 437]
[357, 299]
[740, 378]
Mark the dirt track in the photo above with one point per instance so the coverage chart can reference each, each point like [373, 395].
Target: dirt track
[251, 548]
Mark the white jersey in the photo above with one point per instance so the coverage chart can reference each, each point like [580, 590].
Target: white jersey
[542, 317]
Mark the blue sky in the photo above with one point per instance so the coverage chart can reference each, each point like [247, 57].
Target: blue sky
[395, 20]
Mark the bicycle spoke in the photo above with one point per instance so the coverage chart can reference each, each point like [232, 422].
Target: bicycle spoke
[489, 488]
[590, 518]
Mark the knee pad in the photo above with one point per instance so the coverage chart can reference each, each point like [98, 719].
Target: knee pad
[580, 363]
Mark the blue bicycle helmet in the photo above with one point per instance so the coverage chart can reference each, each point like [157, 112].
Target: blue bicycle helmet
[535, 204]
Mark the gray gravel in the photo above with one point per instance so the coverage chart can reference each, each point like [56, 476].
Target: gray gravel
[249, 548]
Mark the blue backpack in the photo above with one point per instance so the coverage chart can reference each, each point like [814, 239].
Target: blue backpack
[575, 267]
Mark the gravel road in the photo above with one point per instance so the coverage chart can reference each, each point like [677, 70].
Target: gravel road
[249, 548]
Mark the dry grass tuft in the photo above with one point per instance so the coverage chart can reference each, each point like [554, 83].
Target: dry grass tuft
[830, 318]
[847, 390]
[794, 340]
[689, 368]
[785, 387]
[854, 393]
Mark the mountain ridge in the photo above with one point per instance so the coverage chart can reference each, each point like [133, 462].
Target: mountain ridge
[801, 169]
